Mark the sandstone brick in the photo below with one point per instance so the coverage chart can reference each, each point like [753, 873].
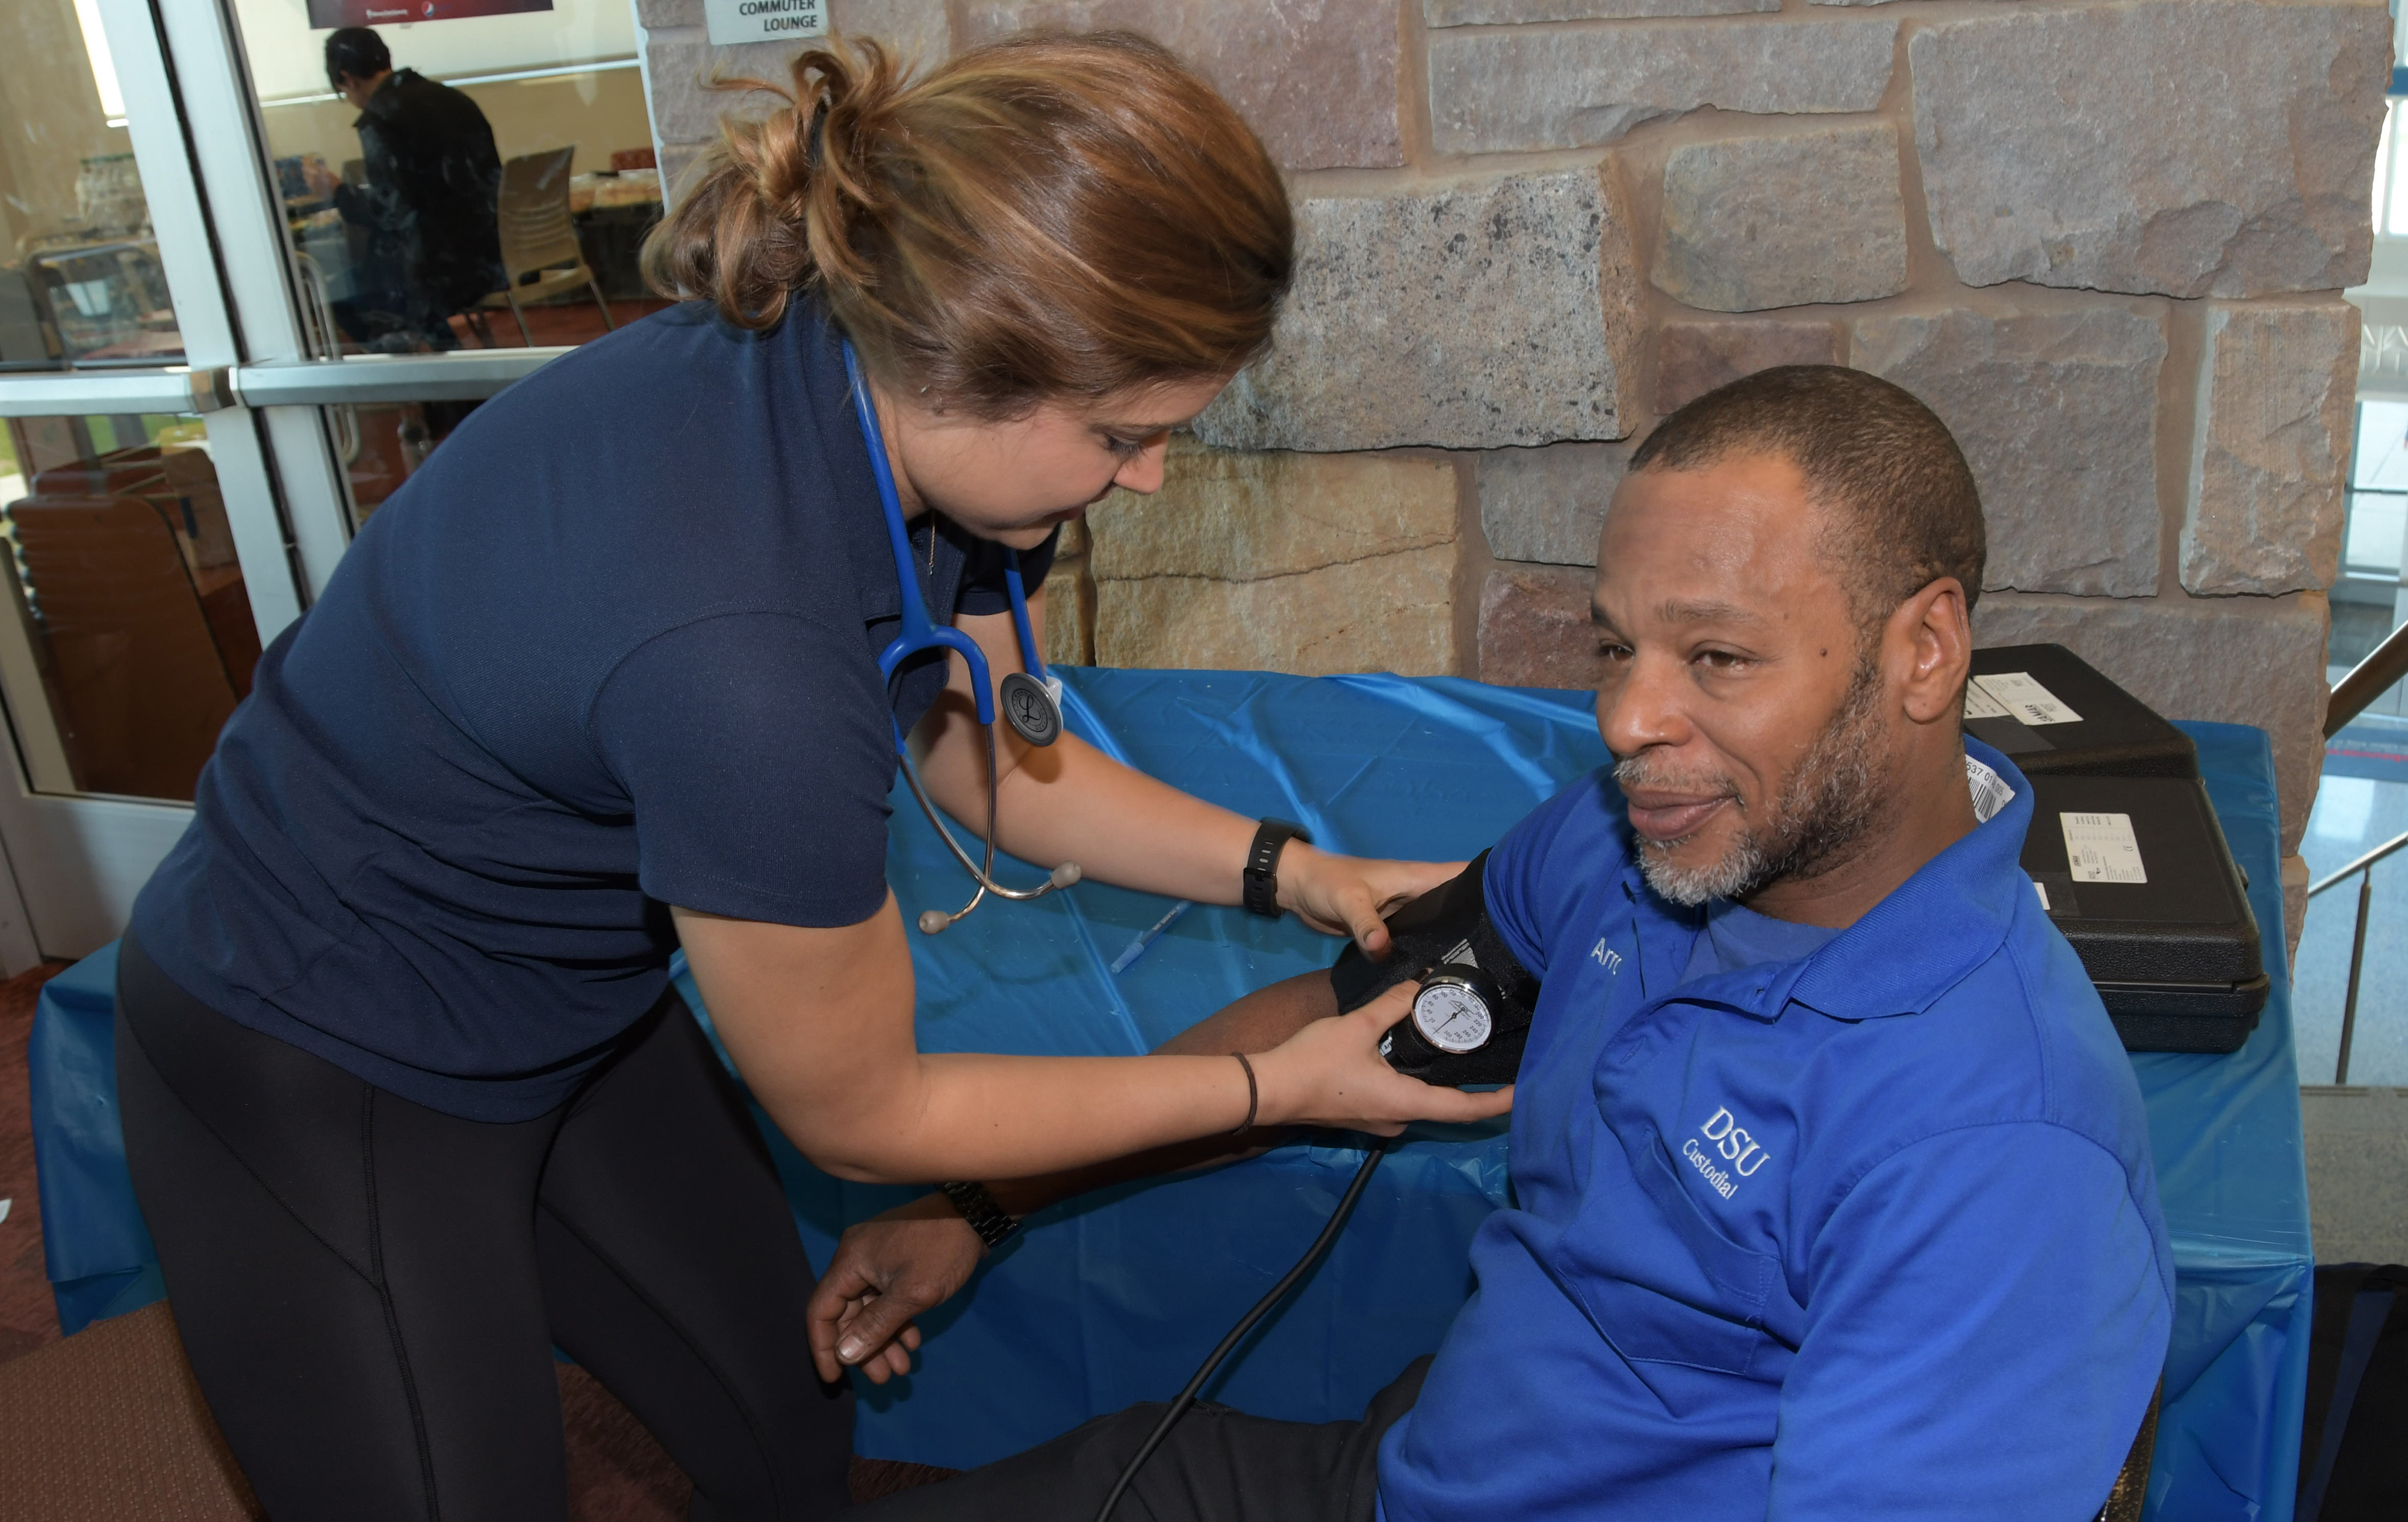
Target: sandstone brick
[2272, 457]
[1694, 358]
[682, 61]
[1069, 612]
[1307, 564]
[678, 161]
[1487, 12]
[1388, 613]
[2086, 147]
[1318, 82]
[2055, 413]
[1230, 516]
[1535, 629]
[2239, 660]
[682, 64]
[1497, 312]
[1548, 505]
[1534, 88]
[1736, 235]
[2295, 903]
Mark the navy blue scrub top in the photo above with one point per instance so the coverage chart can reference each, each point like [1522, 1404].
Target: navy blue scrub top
[614, 647]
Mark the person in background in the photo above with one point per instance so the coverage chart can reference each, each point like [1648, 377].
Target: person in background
[434, 177]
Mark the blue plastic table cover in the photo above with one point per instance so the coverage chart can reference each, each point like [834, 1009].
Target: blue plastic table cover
[1114, 1297]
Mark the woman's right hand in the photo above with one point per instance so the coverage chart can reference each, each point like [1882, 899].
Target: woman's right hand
[1330, 1073]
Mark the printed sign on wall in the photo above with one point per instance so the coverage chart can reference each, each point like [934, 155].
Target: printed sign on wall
[765, 20]
[331, 13]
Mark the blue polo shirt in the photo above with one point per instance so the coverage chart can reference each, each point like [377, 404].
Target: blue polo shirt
[613, 648]
[1867, 1232]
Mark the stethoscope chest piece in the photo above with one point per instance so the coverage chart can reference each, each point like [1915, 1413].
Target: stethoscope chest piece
[1032, 708]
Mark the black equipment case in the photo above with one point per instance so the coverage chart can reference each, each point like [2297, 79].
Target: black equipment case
[2127, 854]
[2051, 711]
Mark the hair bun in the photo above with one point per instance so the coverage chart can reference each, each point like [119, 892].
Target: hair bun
[1047, 215]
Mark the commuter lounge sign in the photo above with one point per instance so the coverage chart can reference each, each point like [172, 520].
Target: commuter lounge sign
[330, 13]
[765, 20]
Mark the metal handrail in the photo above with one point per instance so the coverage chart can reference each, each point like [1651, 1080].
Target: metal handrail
[2364, 866]
[2369, 680]
[2361, 863]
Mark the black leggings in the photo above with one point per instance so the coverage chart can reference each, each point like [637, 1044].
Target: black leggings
[370, 1290]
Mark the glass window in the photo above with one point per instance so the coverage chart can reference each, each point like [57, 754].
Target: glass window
[475, 179]
[80, 283]
[127, 638]
[2376, 524]
[380, 444]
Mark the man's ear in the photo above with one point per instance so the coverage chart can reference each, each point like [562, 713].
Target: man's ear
[1931, 633]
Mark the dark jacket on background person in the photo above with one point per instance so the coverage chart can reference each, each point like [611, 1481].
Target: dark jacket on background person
[433, 178]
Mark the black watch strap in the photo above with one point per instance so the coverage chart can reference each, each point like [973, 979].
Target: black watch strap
[978, 1207]
[1262, 864]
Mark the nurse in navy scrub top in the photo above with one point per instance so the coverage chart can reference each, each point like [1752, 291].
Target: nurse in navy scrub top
[408, 1096]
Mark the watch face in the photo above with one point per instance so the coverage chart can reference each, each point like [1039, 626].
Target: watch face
[1452, 1017]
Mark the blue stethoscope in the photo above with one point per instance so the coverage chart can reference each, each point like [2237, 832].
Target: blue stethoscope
[1032, 699]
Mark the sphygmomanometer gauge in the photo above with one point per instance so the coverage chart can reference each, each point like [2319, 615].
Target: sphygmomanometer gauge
[1452, 1014]
[1470, 1013]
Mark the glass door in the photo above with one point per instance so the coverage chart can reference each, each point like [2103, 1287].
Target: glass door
[455, 199]
[146, 561]
[261, 256]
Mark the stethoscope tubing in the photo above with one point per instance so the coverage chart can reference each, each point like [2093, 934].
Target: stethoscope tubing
[919, 633]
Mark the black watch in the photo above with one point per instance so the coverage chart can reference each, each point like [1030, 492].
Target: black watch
[978, 1207]
[1262, 864]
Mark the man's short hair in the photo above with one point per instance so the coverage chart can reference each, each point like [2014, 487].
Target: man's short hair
[1904, 506]
[358, 51]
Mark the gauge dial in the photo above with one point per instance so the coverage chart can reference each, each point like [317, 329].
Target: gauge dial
[1452, 1016]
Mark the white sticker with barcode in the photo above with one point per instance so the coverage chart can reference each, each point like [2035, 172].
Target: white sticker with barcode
[1990, 790]
[2100, 848]
[2021, 697]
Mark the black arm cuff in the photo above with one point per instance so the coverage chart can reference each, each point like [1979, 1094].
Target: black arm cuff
[1446, 928]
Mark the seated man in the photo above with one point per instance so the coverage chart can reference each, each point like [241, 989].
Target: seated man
[1832, 1185]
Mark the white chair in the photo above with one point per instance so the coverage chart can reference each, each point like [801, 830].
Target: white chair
[539, 238]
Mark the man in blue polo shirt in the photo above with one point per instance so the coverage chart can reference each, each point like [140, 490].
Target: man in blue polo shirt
[1833, 1185]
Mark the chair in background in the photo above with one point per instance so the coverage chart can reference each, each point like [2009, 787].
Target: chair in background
[144, 680]
[539, 245]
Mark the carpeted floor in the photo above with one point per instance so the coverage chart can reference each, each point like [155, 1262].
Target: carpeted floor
[27, 1317]
[616, 1472]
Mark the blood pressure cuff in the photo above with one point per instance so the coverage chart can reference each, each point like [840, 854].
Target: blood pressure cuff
[1446, 930]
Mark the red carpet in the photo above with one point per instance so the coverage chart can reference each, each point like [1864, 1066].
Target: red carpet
[616, 1472]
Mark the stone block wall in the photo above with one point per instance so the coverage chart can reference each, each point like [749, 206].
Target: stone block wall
[1529, 228]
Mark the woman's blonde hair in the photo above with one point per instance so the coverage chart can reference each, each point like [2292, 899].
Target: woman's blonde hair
[1047, 216]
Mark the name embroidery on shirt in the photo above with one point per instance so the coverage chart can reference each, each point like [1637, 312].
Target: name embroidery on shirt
[1732, 1143]
[1609, 960]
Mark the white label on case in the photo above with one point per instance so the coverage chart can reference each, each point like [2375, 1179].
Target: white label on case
[2020, 697]
[2100, 848]
[1981, 704]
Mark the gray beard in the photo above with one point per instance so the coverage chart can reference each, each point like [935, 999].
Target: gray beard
[1826, 805]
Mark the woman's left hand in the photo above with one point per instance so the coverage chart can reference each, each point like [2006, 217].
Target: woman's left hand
[1352, 895]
